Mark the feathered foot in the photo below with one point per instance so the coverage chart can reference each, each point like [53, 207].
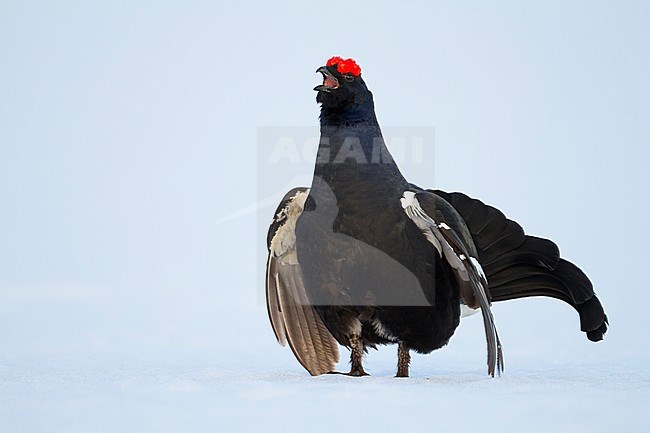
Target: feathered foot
[403, 360]
[356, 357]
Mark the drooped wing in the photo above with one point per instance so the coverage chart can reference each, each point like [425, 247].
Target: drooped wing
[439, 223]
[293, 319]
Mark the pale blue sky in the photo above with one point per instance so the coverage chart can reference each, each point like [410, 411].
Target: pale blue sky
[127, 131]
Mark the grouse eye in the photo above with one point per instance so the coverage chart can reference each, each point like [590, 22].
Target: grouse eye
[349, 77]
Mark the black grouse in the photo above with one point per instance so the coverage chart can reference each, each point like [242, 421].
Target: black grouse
[364, 258]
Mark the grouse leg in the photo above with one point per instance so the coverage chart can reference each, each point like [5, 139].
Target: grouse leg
[356, 357]
[403, 360]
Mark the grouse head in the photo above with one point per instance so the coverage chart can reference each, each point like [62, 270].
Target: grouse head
[343, 96]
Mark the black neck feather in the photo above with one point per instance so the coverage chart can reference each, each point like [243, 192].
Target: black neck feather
[353, 160]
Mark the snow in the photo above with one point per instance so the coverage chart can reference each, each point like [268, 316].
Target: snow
[201, 373]
[131, 398]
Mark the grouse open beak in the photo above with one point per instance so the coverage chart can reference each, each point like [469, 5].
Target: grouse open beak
[329, 81]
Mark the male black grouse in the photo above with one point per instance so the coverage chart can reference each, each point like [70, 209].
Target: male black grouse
[363, 257]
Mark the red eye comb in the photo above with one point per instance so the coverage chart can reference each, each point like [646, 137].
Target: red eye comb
[345, 66]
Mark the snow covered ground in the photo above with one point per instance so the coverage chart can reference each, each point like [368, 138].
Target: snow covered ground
[140, 397]
[229, 375]
[598, 398]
